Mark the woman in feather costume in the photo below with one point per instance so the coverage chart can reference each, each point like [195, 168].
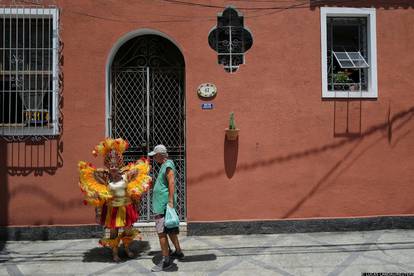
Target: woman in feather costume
[115, 192]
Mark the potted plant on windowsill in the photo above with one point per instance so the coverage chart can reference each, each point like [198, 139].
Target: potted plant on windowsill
[232, 132]
[341, 80]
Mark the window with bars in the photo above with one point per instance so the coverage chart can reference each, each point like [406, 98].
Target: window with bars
[348, 53]
[230, 39]
[28, 72]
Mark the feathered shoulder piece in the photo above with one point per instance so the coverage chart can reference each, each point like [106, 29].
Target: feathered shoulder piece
[93, 184]
[139, 182]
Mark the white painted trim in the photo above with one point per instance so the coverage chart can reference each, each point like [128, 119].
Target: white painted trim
[55, 93]
[370, 13]
[110, 58]
[28, 11]
[45, 13]
[152, 223]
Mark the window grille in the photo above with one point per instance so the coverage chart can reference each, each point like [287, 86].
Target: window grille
[29, 72]
[347, 54]
[230, 39]
[147, 107]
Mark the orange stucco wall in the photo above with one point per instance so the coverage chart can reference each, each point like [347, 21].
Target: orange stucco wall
[291, 160]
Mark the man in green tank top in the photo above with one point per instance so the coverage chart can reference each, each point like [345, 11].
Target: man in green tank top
[165, 193]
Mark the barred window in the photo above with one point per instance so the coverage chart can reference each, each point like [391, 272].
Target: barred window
[28, 71]
[230, 39]
[347, 54]
[349, 68]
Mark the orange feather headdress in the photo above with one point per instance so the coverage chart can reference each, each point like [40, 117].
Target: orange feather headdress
[111, 150]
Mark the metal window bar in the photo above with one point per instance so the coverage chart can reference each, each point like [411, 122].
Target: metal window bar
[55, 69]
[345, 58]
[231, 49]
[23, 60]
[226, 48]
[3, 45]
[28, 72]
[17, 58]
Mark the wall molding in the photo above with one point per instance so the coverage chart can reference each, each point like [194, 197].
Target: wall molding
[54, 232]
[299, 226]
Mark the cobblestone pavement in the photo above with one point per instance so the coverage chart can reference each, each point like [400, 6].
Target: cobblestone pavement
[338, 253]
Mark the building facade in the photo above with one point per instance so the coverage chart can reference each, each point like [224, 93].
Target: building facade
[321, 93]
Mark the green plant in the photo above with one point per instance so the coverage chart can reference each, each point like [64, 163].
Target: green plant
[232, 124]
[341, 77]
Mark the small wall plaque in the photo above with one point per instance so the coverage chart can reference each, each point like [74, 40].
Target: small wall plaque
[207, 106]
[207, 90]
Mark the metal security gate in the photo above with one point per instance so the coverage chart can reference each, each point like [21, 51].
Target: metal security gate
[148, 108]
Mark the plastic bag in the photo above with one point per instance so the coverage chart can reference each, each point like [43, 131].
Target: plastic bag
[171, 218]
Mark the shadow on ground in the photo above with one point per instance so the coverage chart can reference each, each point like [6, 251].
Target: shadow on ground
[187, 259]
[104, 254]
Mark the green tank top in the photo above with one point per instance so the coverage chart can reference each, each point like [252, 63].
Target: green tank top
[160, 192]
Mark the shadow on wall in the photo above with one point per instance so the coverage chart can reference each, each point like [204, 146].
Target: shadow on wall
[231, 150]
[39, 157]
[4, 194]
[393, 125]
[385, 4]
[347, 118]
[25, 158]
[36, 155]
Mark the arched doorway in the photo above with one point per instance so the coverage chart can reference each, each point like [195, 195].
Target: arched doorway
[146, 104]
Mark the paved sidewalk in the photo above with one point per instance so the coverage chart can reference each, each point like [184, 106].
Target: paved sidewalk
[348, 253]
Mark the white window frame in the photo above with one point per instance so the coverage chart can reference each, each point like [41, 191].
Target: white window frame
[41, 12]
[369, 13]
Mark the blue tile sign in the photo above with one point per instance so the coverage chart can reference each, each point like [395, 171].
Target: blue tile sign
[206, 106]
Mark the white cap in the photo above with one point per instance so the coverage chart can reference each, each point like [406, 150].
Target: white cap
[158, 149]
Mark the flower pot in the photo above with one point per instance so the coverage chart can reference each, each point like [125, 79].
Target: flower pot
[231, 134]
